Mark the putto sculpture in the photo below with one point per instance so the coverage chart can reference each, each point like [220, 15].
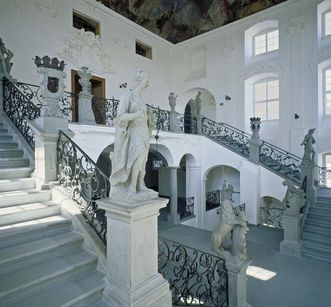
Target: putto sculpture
[229, 237]
[133, 129]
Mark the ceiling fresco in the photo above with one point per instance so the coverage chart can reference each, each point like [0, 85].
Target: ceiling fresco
[179, 20]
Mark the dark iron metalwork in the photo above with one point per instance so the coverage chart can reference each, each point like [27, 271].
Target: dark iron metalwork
[66, 103]
[185, 207]
[213, 199]
[237, 209]
[19, 109]
[195, 277]
[324, 179]
[105, 110]
[85, 181]
[227, 136]
[271, 217]
[161, 118]
[282, 162]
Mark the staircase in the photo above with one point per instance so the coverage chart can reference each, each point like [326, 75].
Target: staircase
[42, 259]
[316, 234]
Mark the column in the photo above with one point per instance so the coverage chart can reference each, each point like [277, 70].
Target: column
[132, 255]
[193, 188]
[237, 280]
[173, 217]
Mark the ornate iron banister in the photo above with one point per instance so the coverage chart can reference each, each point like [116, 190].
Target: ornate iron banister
[161, 118]
[281, 161]
[19, 109]
[226, 135]
[195, 277]
[78, 173]
[105, 109]
[324, 176]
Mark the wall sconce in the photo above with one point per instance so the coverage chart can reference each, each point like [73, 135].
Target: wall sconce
[123, 85]
[296, 116]
[227, 98]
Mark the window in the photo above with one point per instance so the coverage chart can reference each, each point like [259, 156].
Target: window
[327, 23]
[266, 42]
[327, 91]
[327, 164]
[266, 99]
[143, 50]
[83, 22]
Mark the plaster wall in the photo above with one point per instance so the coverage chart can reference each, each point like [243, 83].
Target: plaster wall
[44, 27]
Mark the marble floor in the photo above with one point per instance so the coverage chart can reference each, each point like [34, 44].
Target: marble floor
[274, 279]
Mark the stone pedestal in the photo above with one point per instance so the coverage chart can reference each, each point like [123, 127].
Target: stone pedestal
[254, 150]
[46, 131]
[237, 280]
[308, 171]
[291, 245]
[85, 112]
[132, 255]
[173, 217]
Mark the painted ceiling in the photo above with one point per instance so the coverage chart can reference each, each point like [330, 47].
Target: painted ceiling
[179, 20]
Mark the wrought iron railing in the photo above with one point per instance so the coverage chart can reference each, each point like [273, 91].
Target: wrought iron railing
[19, 109]
[280, 161]
[161, 118]
[213, 199]
[227, 136]
[32, 93]
[324, 177]
[85, 181]
[196, 278]
[187, 123]
[272, 216]
[185, 207]
[105, 110]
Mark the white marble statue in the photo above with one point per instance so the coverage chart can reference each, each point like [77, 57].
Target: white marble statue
[133, 128]
[309, 151]
[229, 237]
[294, 199]
[5, 58]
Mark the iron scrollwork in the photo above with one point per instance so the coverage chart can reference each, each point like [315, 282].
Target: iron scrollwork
[105, 110]
[324, 177]
[272, 217]
[213, 199]
[195, 277]
[19, 109]
[85, 181]
[161, 118]
[227, 135]
[281, 161]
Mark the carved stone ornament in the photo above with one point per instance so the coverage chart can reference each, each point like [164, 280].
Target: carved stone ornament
[296, 28]
[84, 48]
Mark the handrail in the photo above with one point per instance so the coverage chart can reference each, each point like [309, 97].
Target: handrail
[19, 109]
[77, 172]
[195, 277]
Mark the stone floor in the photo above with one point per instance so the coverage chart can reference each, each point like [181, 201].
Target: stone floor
[274, 280]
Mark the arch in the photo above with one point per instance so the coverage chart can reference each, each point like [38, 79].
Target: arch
[104, 161]
[191, 161]
[164, 151]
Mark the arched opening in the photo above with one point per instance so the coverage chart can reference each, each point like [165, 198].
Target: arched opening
[215, 179]
[104, 161]
[155, 162]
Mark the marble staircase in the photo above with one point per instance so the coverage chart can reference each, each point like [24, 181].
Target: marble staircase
[316, 234]
[43, 261]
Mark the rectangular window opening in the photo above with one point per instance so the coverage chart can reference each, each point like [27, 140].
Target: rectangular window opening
[82, 22]
[143, 50]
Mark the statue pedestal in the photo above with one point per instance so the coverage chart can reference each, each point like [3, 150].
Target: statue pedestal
[291, 245]
[237, 279]
[46, 131]
[85, 112]
[254, 150]
[132, 255]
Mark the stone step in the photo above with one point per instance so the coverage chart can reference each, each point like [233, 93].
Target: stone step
[18, 283]
[12, 173]
[320, 210]
[313, 255]
[17, 184]
[318, 250]
[323, 199]
[39, 250]
[317, 229]
[6, 138]
[8, 144]
[14, 162]
[11, 153]
[325, 223]
[16, 198]
[27, 212]
[3, 130]
[84, 289]
[318, 239]
[32, 230]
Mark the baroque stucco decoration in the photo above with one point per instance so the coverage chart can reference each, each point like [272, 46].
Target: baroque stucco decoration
[84, 48]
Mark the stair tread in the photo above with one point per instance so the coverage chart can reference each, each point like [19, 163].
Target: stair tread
[66, 292]
[7, 185]
[26, 207]
[26, 226]
[34, 247]
[32, 275]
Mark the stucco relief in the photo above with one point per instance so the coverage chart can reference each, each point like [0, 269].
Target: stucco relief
[47, 8]
[84, 48]
[296, 28]
[268, 67]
